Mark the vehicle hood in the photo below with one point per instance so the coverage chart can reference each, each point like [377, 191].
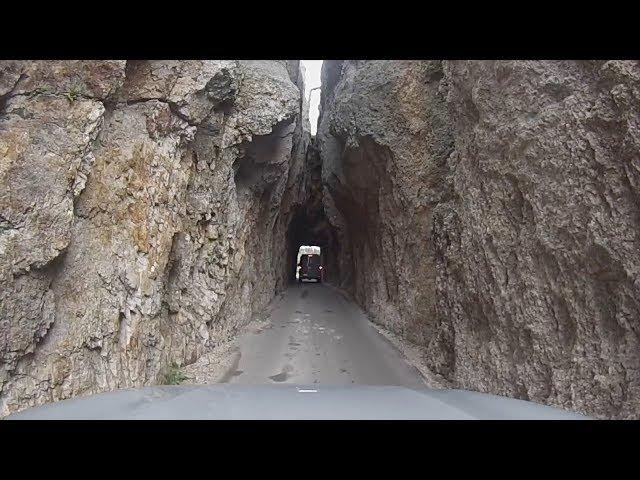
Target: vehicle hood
[292, 402]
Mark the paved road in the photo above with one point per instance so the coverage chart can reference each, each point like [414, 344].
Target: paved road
[317, 336]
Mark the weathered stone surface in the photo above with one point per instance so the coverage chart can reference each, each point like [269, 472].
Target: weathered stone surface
[140, 215]
[491, 213]
[384, 137]
[45, 152]
[547, 182]
[487, 211]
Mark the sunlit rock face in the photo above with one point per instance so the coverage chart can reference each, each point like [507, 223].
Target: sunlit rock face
[489, 211]
[143, 212]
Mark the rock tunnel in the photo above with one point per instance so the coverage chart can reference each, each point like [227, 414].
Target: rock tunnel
[484, 210]
[309, 224]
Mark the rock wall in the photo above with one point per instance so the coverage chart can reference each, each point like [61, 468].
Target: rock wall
[488, 211]
[384, 137]
[143, 211]
[491, 212]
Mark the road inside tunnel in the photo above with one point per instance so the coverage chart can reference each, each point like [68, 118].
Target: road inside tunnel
[316, 335]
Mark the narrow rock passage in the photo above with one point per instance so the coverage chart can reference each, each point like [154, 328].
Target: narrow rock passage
[317, 336]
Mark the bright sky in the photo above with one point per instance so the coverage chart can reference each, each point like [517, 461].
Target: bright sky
[312, 80]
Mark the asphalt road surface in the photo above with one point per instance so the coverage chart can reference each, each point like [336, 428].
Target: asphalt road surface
[317, 336]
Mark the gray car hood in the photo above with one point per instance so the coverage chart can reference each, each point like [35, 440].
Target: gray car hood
[292, 402]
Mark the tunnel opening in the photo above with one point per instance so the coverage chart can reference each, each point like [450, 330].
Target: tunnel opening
[309, 264]
[309, 224]
[312, 229]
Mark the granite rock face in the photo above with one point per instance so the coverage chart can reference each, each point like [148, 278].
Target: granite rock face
[487, 211]
[143, 206]
[385, 137]
[490, 212]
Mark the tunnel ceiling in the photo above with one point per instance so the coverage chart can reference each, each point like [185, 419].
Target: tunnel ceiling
[306, 229]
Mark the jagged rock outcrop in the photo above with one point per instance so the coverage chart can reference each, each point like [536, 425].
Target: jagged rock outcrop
[489, 211]
[143, 212]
